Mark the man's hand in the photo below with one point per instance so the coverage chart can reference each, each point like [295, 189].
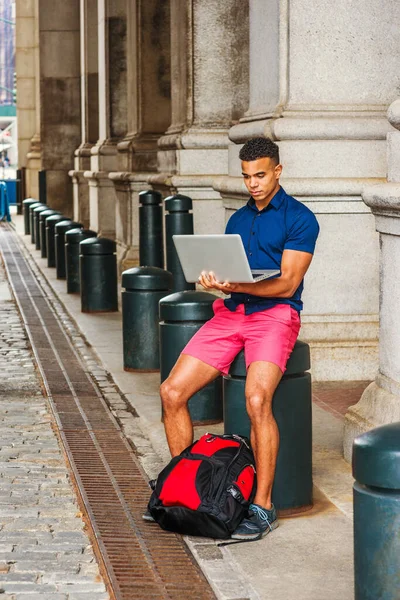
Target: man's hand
[209, 282]
[294, 266]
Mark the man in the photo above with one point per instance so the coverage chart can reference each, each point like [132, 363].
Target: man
[278, 232]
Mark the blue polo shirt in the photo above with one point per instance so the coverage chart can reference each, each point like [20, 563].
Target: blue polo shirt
[284, 224]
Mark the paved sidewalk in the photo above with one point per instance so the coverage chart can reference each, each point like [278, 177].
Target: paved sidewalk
[308, 557]
[44, 550]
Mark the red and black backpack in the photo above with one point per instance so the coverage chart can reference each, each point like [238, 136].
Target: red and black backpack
[207, 489]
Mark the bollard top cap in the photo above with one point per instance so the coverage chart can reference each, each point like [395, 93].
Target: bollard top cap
[187, 306]
[97, 245]
[47, 213]
[29, 201]
[40, 208]
[147, 278]
[149, 197]
[298, 363]
[77, 235]
[178, 203]
[376, 457]
[55, 219]
[36, 204]
[65, 225]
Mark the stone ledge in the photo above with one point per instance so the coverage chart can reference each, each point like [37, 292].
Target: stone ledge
[306, 127]
[84, 150]
[202, 181]
[105, 148]
[77, 175]
[97, 176]
[334, 329]
[383, 198]
[307, 186]
[195, 139]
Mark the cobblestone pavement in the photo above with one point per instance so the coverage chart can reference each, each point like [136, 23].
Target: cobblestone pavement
[44, 551]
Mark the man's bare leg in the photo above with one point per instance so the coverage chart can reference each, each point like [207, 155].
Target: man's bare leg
[261, 383]
[187, 377]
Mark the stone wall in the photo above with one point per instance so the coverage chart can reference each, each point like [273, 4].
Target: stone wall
[320, 86]
[28, 92]
[170, 91]
[60, 109]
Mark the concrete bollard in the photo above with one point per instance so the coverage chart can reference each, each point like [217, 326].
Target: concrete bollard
[376, 492]
[61, 229]
[181, 315]
[36, 223]
[32, 207]
[151, 247]
[51, 223]
[73, 237]
[143, 287]
[178, 221]
[98, 273]
[42, 229]
[26, 204]
[292, 491]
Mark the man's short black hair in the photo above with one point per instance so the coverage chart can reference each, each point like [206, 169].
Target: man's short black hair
[259, 147]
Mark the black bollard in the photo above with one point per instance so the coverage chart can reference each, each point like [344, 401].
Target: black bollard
[179, 221]
[19, 191]
[98, 272]
[36, 223]
[26, 204]
[143, 289]
[59, 242]
[376, 493]
[21, 174]
[181, 316]
[51, 223]
[73, 238]
[42, 229]
[151, 247]
[42, 186]
[292, 491]
[31, 222]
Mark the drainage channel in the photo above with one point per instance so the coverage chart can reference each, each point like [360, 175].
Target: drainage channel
[138, 559]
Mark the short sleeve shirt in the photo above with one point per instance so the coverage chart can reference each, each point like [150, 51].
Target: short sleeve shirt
[285, 224]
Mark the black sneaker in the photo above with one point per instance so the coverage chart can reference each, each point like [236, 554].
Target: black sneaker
[147, 516]
[257, 524]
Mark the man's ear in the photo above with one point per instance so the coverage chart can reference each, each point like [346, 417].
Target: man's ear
[278, 171]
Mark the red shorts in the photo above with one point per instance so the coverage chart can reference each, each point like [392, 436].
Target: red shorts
[268, 335]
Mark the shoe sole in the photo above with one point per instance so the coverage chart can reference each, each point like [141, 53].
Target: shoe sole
[149, 519]
[256, 536]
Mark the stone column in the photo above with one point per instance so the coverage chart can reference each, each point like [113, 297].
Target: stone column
[28, 92]
[209, 92]
[59, 97]
[319, 88]
[148, 116]
[89, 108]
[112, 114]
[380, 402]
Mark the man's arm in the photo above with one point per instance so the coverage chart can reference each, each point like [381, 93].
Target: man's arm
[294, 266]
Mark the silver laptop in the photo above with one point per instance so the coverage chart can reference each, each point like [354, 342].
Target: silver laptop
[223, 254]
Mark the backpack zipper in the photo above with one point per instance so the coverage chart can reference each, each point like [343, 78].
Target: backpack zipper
[223, 481]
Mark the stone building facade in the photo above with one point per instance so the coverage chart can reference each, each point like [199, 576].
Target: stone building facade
[124, 95]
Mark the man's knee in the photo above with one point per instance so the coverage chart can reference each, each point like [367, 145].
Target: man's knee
[259, 404]
[172, 396]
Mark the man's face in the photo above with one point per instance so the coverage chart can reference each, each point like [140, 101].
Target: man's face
[261, 177]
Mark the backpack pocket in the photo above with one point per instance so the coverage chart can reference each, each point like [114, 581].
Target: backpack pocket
[245, 482]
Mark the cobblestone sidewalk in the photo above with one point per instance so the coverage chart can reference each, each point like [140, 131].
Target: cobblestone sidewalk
[45, 553]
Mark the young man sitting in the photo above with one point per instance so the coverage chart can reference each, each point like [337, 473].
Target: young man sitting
[278, 232]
